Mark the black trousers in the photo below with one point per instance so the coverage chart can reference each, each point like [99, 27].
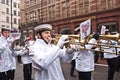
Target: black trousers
[72, 67]
[112, 67]
[96, 56]
[8, 75]
[27, 71]
[84, 75]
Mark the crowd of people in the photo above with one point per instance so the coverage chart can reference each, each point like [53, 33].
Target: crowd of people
[45, 58]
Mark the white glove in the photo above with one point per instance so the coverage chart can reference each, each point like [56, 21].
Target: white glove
[73, 48]
[63, 39]
[70, 50]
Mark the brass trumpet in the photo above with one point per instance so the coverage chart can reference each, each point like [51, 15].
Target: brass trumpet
[73, 39]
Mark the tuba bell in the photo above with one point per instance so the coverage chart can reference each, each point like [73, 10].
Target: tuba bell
[18, 45]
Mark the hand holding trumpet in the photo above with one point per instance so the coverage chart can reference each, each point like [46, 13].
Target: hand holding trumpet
[63, 40]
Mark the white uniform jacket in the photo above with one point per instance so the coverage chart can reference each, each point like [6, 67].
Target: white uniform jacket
[85, 58]
[108, 49]
[24, 53]
[46, 60]
[7, 59]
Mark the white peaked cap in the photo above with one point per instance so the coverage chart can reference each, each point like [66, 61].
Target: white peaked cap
[6, 28]
[43, 27]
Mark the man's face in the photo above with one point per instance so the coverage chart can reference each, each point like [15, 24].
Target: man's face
[46, 36]
[6, 33]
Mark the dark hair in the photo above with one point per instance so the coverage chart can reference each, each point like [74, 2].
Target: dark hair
[96, 36]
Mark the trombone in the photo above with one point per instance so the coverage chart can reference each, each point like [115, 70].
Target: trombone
[75, 40]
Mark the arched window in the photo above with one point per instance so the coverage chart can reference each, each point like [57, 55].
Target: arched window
[111, 26]
[65, 31]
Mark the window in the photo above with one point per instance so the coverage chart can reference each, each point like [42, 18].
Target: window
[112, 26]
[64, 10]
[7, 2]
[15, 13]
[15, 4]
[3, 25]
[26, 17]
[15, 21]
[51, 12]
[68, 8]
[19, 21]
[110, 4]
[7, 10]
[65, 31]
[103, 4]
[86, 7]
[7, 19]
[51, 1]
[80, 7]
[3, 1]
[32, 15]
[31, 2]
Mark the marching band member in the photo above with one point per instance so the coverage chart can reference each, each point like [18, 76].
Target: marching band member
[7, 59]
[23, 52]
[112, 59]
[85, 60]
[46, 57]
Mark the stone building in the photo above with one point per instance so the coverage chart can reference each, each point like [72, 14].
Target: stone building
[10, 14]
[66, 15]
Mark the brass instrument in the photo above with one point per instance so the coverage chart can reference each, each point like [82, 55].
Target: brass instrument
[20, 44]
[17, 45]
[75, 39]
[103, 37]
[101, 45]
[111, 37]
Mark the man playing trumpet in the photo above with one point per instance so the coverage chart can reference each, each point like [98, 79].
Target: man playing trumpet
[46, 57]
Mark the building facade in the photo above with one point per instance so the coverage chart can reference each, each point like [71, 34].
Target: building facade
[66, 15]
[10, 14]
[30, 16]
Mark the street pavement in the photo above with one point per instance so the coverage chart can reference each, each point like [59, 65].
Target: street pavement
[100, 73]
